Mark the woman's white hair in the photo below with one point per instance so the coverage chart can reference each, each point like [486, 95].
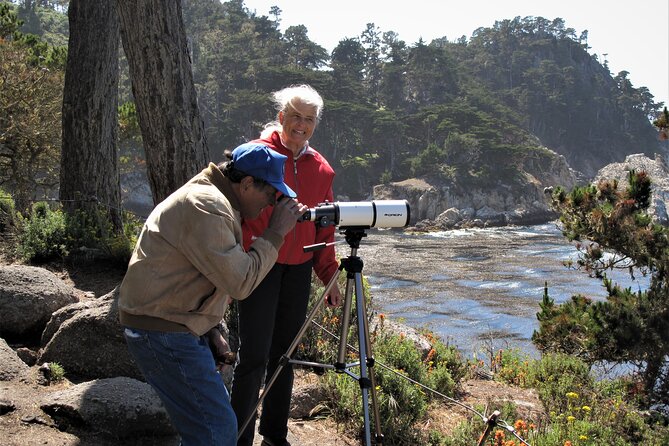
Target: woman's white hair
[298, 93]
[286, 97]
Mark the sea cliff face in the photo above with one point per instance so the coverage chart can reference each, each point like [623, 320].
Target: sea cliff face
[442, 205]
[439, 206]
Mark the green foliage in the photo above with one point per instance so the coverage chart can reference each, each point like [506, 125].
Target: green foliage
[92, 235]
[430, 162]
[401, 353]
[580, 410]
[402, 403]
[557, 375]
[31, 85]
[9, 21]
[472, 107]
[586, 417]
[465, 111]
[50, 234]
[571, 334]
[43, 234]
[512, 367]
[8, 214]
[629, 327]
[57, 372]
[464, 434]
[444, 365]
[47, 22]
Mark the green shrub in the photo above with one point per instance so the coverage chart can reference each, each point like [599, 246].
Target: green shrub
[57, 372]
[556, 376]
[43, 235]
[50, 234]
[91, 235]
[401, 405]
[449, 357]
[440, 379]
[512, 367]
[400, 353]
[7, 212]
[464, 434]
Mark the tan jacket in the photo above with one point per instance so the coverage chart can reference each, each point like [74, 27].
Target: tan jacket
[189, 259]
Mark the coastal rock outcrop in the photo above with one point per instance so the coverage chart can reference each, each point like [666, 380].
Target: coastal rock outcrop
[657, 170]
[445, 205]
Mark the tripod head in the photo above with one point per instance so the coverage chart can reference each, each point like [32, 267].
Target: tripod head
[353, 235]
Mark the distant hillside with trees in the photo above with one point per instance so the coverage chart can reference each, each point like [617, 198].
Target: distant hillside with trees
[472, 111]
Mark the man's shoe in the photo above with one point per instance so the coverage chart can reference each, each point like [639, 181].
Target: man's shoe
[266, 441]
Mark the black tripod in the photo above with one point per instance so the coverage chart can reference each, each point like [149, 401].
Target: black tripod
[353, 266]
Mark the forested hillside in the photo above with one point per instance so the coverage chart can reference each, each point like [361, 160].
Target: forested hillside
[470, 112]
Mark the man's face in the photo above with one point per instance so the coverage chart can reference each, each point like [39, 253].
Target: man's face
[256, 197]
[299, 123]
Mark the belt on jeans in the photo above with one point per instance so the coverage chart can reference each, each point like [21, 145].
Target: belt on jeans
[150, 323]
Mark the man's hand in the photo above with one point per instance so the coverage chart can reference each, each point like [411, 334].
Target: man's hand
[285, 214]
[220, 348]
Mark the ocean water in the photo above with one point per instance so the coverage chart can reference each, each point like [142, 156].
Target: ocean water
[475, 288]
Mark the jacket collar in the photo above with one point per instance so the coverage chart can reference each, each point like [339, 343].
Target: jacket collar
[213, 173]
[278, 144]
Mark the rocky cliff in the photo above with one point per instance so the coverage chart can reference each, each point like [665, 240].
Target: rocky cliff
[437, 205]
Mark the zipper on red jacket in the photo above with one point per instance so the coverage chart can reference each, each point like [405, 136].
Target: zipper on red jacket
[297, 188]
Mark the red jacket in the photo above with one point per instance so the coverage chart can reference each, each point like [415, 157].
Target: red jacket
[310, 176]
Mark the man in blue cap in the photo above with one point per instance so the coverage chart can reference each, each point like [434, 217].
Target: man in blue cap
[188, 262]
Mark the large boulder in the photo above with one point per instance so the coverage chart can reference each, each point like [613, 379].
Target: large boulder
[28, 297]
[11, 366]
[88, 341]
[120, 407]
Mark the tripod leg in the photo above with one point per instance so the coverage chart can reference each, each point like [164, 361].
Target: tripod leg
[363, 327]
[286, 356]
[340, 365]
[364, 381]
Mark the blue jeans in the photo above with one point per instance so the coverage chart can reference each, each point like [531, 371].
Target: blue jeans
[181, 369]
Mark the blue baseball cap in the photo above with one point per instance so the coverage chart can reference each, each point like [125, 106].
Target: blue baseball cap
[259, 161]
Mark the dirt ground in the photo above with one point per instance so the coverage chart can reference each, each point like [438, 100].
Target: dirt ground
[29, 425]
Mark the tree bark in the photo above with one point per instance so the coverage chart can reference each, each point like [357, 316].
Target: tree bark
[154, 40]
[89, 173]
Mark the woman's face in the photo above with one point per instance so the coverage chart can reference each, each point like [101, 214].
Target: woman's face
[299, 123]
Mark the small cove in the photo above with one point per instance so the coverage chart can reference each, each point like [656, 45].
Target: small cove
[474, 286]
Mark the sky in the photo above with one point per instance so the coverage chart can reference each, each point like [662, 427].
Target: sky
[631, 36]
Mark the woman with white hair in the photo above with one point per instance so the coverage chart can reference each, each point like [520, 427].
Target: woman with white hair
[270, 318]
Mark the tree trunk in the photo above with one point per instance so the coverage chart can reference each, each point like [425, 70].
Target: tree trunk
[172, 129]
[89, 173]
